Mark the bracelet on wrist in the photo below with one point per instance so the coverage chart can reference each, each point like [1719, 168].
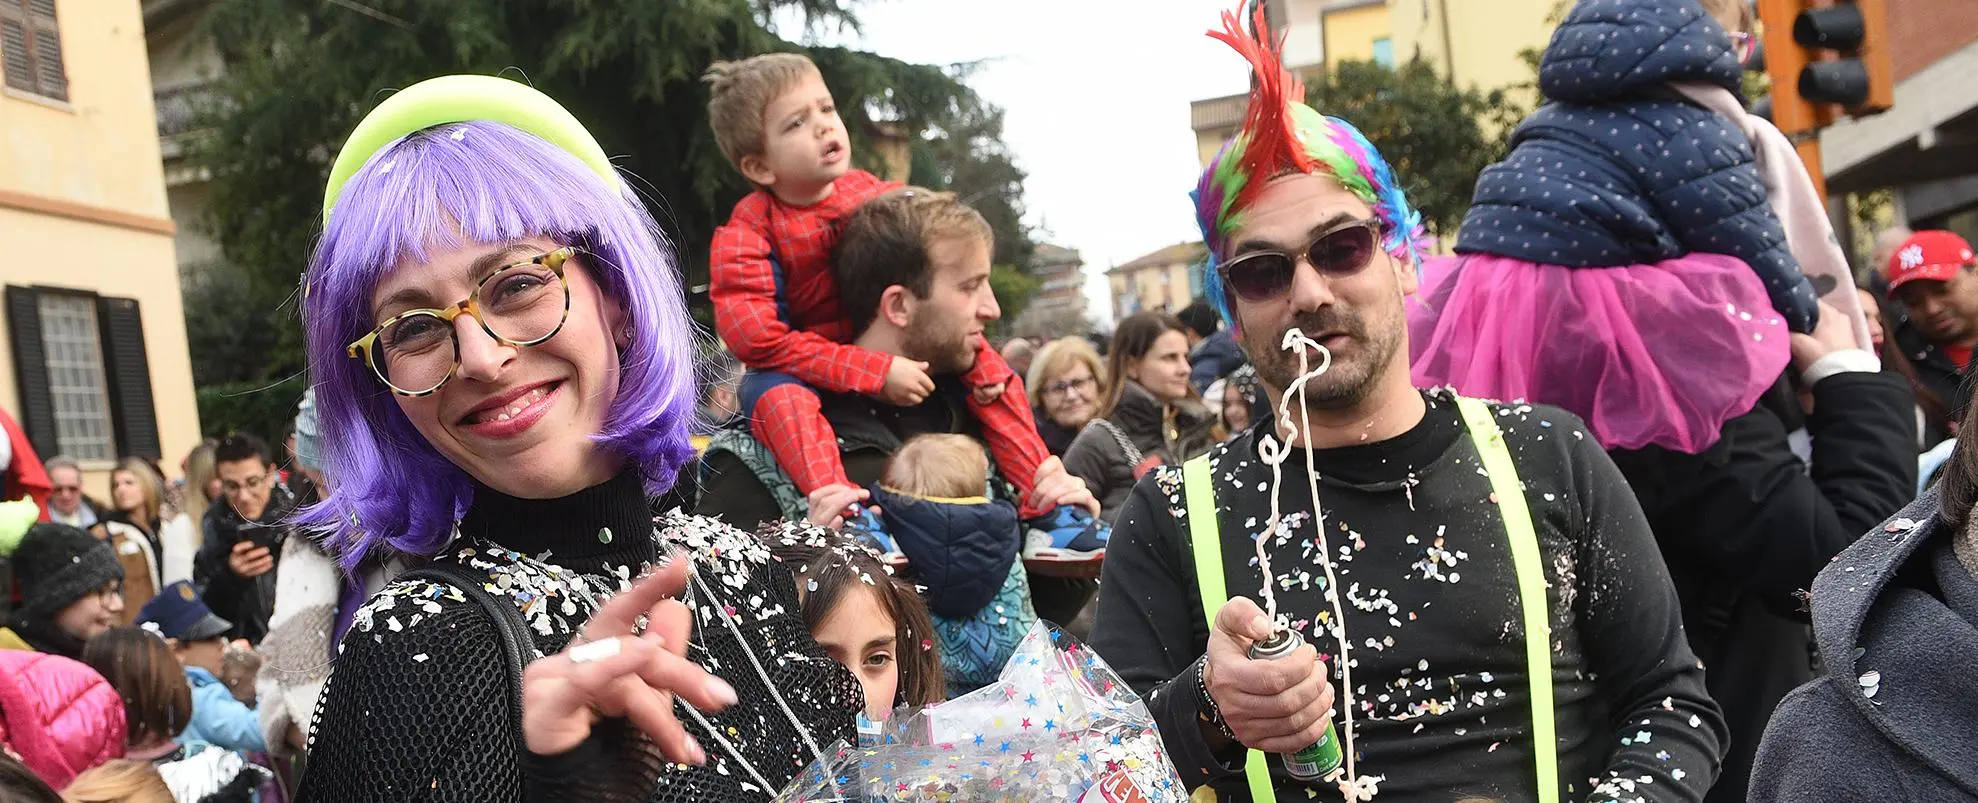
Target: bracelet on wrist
[1205, 704]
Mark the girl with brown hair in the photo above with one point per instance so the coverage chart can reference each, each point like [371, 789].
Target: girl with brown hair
[871, 621]
[140, 665]
[1150, 417]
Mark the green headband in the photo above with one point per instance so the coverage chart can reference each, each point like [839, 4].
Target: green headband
[458, 99]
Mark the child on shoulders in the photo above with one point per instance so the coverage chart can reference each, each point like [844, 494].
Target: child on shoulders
[776, 303]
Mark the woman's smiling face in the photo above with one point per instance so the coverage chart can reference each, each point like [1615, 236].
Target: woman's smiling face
[521, 420]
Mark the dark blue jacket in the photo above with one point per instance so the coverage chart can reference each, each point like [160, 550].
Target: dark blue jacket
[1214, 358]
[1616, 169]
[961, 550]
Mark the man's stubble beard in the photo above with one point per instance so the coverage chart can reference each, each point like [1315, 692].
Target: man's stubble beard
[944, 355]
[1344, 385]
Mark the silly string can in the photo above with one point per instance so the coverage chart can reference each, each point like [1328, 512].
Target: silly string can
[1315, 762]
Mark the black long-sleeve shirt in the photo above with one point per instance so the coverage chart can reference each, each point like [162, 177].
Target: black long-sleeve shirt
[1441, 695]
[420, 705]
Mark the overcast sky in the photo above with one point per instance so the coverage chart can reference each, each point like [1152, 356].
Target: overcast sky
[1097, 95]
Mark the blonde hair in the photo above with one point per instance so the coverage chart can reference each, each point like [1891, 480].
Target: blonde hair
[939, 465]
[148, 481]
[1060, 356]
[120, 780]
[1737, 12]
[200, 470]
[739, 96]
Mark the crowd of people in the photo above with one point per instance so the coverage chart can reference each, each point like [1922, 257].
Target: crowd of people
[124, 682]
[533, 536]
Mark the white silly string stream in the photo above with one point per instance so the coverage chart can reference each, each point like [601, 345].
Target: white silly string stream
[1274, 452]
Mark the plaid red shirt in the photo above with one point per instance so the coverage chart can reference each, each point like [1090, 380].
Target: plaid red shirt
[796, 325]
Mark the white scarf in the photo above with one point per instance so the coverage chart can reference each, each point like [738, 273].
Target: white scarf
[1809, 234]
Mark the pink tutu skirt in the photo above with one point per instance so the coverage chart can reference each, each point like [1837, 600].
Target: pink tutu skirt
[1660, 354]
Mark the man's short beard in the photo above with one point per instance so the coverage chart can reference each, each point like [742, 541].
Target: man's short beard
[1342, 387]
[925, 343]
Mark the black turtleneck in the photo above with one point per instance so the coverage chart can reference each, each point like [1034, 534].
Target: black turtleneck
[606, 524]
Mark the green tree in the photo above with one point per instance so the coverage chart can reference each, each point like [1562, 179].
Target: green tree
[1013, 289]
[965, 155]
[1428, 129]
[300, 73]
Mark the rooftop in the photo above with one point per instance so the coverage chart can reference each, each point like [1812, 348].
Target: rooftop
[1177, 253]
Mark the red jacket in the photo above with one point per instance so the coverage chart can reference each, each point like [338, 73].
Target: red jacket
[24, 476]
[793, 322]
[58, 715]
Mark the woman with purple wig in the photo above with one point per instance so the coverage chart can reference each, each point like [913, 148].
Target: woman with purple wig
[502, 361]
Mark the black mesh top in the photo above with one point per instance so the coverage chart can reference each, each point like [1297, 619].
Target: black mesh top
[419, 707]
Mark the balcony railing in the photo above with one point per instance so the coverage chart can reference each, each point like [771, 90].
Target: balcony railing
[178, 107]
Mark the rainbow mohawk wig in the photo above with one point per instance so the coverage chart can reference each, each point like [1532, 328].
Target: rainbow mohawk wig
[1282, 135]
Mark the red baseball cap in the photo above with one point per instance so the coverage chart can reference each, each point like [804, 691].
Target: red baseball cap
[1934, 255]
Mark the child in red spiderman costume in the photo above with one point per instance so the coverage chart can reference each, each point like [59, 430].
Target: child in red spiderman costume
[776, 303]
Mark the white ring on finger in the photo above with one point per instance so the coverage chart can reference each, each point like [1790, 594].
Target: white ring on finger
[594, 651]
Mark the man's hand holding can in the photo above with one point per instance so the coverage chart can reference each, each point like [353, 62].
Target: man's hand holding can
[1281, 705]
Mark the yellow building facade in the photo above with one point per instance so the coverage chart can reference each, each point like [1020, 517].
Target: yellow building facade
[1474, 41]
[1165, 280]
[1357, 30]
[95, 366]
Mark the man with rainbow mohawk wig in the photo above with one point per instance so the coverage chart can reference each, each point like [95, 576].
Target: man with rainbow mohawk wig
[1480, 611]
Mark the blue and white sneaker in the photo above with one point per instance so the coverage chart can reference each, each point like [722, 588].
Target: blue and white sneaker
[1069, 533]
[871, 534]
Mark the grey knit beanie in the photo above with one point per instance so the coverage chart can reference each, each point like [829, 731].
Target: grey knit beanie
[56, 564]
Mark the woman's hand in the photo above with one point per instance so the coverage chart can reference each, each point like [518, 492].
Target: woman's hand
[1834, 332]
[610, 672]
[829, 504]
[1055, 486]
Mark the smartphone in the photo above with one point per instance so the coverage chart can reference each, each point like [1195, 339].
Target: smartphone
[269, 538]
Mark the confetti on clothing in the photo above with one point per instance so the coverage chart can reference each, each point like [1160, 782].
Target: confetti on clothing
[1056, 725]
[418, 698]
[1432, 603]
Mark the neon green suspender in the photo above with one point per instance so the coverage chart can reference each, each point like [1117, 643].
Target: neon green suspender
[1206, 538]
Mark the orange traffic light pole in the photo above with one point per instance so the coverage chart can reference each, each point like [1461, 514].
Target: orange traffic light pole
[1799, 120]
[1822, 54]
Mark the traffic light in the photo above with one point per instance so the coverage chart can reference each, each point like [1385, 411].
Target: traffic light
[1826, 58]
[1859, 79]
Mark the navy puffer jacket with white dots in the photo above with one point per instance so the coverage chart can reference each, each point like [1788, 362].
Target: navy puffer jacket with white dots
[1617, 169]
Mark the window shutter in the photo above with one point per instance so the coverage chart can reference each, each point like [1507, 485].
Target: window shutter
[127, 374]
[52, 77]
[37, 411]
[13, 52]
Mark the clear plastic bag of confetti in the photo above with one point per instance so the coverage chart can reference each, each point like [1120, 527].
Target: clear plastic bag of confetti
[1057, 725]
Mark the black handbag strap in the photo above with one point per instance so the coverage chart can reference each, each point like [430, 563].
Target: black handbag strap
[516, 643]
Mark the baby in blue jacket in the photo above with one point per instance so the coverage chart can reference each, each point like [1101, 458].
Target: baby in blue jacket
[961, 548]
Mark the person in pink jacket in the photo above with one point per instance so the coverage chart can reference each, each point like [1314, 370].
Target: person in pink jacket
[58, 715]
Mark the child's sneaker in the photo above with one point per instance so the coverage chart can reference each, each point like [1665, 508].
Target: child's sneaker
[871, 534]
[1069, 534]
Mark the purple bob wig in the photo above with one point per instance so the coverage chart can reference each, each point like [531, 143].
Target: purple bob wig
[434, 190]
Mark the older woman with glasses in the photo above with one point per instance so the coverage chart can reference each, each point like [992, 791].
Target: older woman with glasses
[504, 368]
[1066, 381]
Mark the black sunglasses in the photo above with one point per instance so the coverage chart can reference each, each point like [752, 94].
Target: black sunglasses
[1265, 275]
